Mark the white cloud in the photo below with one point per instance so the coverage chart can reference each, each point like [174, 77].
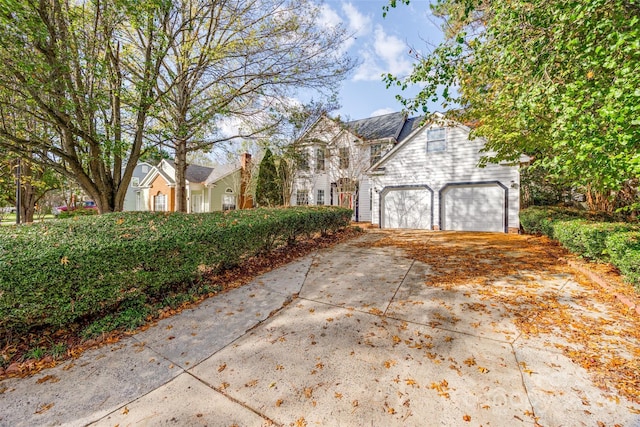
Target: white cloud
[329, 18]
[386, 54]
[382, 112]
[359, 24]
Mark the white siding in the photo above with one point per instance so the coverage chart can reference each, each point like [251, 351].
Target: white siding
[359, 161]
[410, 164]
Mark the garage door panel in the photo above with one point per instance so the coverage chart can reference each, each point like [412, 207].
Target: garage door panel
[407, 208]
[474, 208]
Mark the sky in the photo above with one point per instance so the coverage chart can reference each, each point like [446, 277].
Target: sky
[381, 45]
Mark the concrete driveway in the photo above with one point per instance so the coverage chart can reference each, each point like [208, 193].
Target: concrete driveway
[392, 328]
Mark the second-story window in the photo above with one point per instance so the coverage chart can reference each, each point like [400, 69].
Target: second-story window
[376, 153]
[344, 157]
[436, 140]
[303, 160]
[320, 155]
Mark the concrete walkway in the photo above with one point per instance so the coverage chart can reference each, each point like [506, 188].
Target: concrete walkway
[365, 342]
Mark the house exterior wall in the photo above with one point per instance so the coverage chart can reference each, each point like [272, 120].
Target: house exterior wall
[231, 181]
[130, 198]
[332, 139]
[159, 185]
[412, 165]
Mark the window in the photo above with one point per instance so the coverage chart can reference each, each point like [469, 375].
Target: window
[320, 198]
[320, 160]
[135, 181]
[303, 161]
[160, 202]
[228, 200]
[138, 201]
[302, 197]
[376, 153]
[344, 158]
[435, 140]
[145, 168]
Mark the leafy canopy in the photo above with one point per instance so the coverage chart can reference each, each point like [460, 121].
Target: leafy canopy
[557, 80]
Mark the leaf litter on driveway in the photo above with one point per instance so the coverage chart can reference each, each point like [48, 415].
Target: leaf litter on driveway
[584, 322]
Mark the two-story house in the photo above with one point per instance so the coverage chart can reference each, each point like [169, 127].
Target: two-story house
[400, 172]
[335, 158]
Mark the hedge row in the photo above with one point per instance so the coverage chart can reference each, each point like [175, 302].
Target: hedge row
[614, 242]
[56, 273]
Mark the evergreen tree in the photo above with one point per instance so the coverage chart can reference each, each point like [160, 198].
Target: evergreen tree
[269, 188]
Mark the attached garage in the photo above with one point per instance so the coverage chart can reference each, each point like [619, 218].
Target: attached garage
[407, 207]
[474, 207]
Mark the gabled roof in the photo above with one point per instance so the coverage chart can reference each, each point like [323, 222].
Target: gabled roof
[194, 173]
[379, 127]
[409, 126]
[222, 171]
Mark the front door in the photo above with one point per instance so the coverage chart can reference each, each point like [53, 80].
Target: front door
[196, 202]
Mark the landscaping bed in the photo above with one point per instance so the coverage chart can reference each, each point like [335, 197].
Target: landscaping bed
[77, 279]
[592, 236]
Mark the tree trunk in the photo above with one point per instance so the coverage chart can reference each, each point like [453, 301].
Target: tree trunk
[181, 168]
[28, 197]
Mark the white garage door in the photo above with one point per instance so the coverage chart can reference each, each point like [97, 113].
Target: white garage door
[407, 208]
[478, 207]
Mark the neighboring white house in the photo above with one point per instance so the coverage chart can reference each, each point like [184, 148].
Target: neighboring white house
[209, 189]
[134, 197]
[424, 177]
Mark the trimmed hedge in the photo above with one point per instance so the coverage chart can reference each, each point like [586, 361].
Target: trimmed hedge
[56, 273]
[614, 242]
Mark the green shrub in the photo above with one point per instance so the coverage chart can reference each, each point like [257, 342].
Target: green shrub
[615, 242]
[56, 273]
[624, 251]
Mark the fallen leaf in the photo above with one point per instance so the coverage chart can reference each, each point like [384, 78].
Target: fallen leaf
[482, 370]
[338, 395]
[251, 383]
[411, 382]
[50, 378]
[125, 411]
[308, 392]
[222, 367]
[467, 418]
[44, 408]
[301, 422]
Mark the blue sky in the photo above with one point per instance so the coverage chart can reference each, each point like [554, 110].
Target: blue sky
[382, 46]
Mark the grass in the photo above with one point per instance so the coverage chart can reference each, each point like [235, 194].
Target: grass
[10, 219]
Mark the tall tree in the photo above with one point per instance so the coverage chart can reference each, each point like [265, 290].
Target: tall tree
[77, 82]
[242, 59]
[268, 187]
[556, 80]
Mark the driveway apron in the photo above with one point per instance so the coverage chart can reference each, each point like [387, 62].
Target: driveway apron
[383, 330]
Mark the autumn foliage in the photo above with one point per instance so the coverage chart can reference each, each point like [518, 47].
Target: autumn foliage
[56, 273]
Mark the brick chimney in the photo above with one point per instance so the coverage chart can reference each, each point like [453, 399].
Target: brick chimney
[246, 200]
